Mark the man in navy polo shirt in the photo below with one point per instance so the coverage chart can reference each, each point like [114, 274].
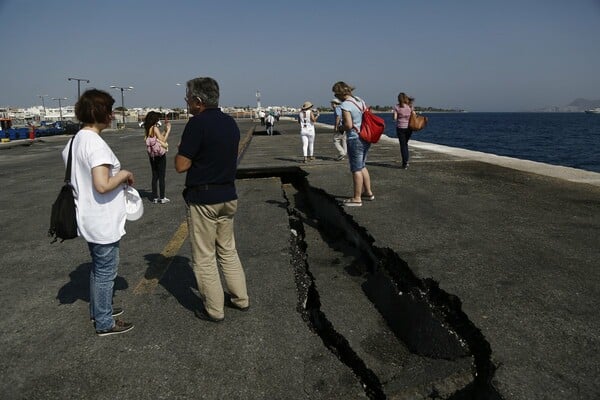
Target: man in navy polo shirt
[208, 153]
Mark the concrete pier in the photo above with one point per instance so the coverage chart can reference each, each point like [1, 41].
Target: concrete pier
[465, 278]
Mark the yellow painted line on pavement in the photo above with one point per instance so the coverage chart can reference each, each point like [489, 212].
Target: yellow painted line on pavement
[159, 266]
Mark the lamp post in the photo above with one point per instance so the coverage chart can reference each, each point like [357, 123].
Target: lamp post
[78, 84]
[186, 107]
[60, 105]
[122, 89]
[41, 96]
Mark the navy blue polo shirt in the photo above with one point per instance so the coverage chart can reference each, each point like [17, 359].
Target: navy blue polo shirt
[210, 139]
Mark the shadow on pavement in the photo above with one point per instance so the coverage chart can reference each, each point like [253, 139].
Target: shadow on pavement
[78, 288]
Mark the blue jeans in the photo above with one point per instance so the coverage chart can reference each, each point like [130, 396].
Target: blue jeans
[403, 137]
[105, 261]
[357, 152]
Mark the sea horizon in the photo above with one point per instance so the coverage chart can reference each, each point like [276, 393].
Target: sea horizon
[569, 139]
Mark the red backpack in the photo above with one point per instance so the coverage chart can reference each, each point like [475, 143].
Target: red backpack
[372, 126]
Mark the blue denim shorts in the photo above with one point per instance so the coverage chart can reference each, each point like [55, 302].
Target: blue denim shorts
[357, 153]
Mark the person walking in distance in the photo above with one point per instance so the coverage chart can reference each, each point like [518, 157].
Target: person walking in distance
[208, 154]
[339, 137]
[401, 115]
[99, 184]
[270, 121]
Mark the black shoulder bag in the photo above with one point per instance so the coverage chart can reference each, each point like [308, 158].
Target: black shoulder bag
[63, 220]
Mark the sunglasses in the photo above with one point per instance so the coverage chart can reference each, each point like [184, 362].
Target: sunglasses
[190, 98]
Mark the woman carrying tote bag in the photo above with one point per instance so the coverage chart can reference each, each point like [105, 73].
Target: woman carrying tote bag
[402, 112]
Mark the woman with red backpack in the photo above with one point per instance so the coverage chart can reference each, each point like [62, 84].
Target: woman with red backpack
[352, 111]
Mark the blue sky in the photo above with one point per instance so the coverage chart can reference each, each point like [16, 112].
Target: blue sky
[480, 55]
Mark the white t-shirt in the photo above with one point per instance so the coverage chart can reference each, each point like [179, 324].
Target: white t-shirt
[100, 217]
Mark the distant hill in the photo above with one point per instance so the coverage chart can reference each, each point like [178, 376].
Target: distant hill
[577, 105]
[584, 104]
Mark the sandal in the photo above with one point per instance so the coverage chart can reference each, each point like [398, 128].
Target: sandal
[367, 197]
[351, 203]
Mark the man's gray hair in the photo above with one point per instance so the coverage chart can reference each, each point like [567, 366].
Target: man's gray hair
[206, 89]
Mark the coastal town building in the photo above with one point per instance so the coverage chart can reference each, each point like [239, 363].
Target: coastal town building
[40, 114]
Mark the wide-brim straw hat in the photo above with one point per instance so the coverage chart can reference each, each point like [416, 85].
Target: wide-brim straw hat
[307, 105]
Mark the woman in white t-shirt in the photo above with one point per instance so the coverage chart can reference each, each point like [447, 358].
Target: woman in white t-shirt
[99, 183]
[307, 119]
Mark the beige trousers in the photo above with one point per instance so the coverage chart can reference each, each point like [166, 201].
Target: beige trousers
[212, 240]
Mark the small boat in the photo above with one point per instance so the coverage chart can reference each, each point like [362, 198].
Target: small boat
[593, 111]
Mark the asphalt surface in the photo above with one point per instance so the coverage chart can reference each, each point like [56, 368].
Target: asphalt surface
[467, 277]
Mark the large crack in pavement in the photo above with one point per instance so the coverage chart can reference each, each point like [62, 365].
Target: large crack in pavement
[428, 347]
[309, 307]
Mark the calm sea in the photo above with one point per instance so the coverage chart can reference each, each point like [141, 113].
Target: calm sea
[568, 139]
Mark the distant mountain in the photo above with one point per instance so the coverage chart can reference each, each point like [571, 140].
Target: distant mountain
[584, 104]
[577, 105]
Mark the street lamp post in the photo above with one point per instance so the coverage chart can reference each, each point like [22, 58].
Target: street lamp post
[78, 84]
[186, 107]
[122, 89]
[60, 105]
[41, 96]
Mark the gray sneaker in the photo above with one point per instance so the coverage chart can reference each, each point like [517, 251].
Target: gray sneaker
[164, 200]
[120, 327]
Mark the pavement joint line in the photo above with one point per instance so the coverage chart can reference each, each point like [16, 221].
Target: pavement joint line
[163, 262]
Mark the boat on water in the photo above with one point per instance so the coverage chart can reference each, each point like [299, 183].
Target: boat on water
[593, 111]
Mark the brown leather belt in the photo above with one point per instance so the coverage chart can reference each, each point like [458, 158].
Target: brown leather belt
[209, 186]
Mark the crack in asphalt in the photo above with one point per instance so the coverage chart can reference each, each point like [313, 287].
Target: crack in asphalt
[309, 307]
[436, 328]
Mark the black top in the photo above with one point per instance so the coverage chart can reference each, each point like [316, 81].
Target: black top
[210, 139]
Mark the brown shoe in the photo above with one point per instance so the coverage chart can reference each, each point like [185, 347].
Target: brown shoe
[119, 327]
[230, 304]
[203, 315]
